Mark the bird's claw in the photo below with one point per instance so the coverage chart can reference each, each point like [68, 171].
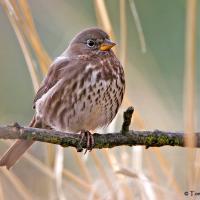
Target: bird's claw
[89, 139]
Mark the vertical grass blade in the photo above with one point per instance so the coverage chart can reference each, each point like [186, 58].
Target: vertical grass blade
[123, 33]
[138, 25]
[58, 172]
[189, 95]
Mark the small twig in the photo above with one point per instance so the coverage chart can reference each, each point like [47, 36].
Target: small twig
[127, 120]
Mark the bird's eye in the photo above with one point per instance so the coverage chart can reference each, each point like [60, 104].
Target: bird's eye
[90, 43]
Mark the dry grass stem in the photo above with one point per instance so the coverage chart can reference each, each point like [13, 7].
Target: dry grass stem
[58, 172]
[2, 197]
[189, 96]
[138, 25]
[11, 13]
[190, 72]
[165, 168]
[142, 179]
[20, 187]
[123, 32]
[102, 16]
[82, 166]
[103, 173]
[27, 23]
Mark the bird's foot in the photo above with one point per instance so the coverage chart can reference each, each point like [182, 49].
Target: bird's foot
[89, 139]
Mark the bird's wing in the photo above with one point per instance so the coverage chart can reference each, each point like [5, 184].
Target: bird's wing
[61, 68]
[52, 77]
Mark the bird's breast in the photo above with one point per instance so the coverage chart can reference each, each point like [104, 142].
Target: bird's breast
[88, 100]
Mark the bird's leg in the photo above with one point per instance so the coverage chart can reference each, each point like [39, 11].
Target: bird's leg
[89, 138]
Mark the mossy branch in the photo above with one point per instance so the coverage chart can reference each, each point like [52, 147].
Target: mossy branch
[126, 137]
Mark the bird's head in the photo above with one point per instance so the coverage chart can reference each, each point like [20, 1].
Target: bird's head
[92, 40]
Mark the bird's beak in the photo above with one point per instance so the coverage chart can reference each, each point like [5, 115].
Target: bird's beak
[106, 45]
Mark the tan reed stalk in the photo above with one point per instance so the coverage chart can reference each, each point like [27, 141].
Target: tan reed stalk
[166, 170]
[82, 184]
[103, 19]
[20, 187]
[58, 172]
[152, 174]
[2, 197]
[21, 39]
[82, 166]
[123, 33]
[27, 23]
[50, 160]
[79, 182]
[141, 179]
[128, 192]
[154, 178]
[123, 53]
[102, 16]
[113, 163]
[190, 71]
[138, 25]
[197, 169]
[103, 173]
[73, 193]
[189, 95]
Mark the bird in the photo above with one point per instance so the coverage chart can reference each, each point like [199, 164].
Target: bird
[82, 91]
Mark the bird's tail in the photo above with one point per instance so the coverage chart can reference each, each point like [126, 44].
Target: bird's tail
[13, 154]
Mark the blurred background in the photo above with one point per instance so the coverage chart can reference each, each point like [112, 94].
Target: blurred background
[152, 38]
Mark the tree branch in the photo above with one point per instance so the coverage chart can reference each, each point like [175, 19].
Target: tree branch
[126, 137]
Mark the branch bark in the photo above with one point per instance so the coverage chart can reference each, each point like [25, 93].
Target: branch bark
[126, 137]
[154, 138]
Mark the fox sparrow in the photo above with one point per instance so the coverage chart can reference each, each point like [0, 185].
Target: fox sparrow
[83, 90]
